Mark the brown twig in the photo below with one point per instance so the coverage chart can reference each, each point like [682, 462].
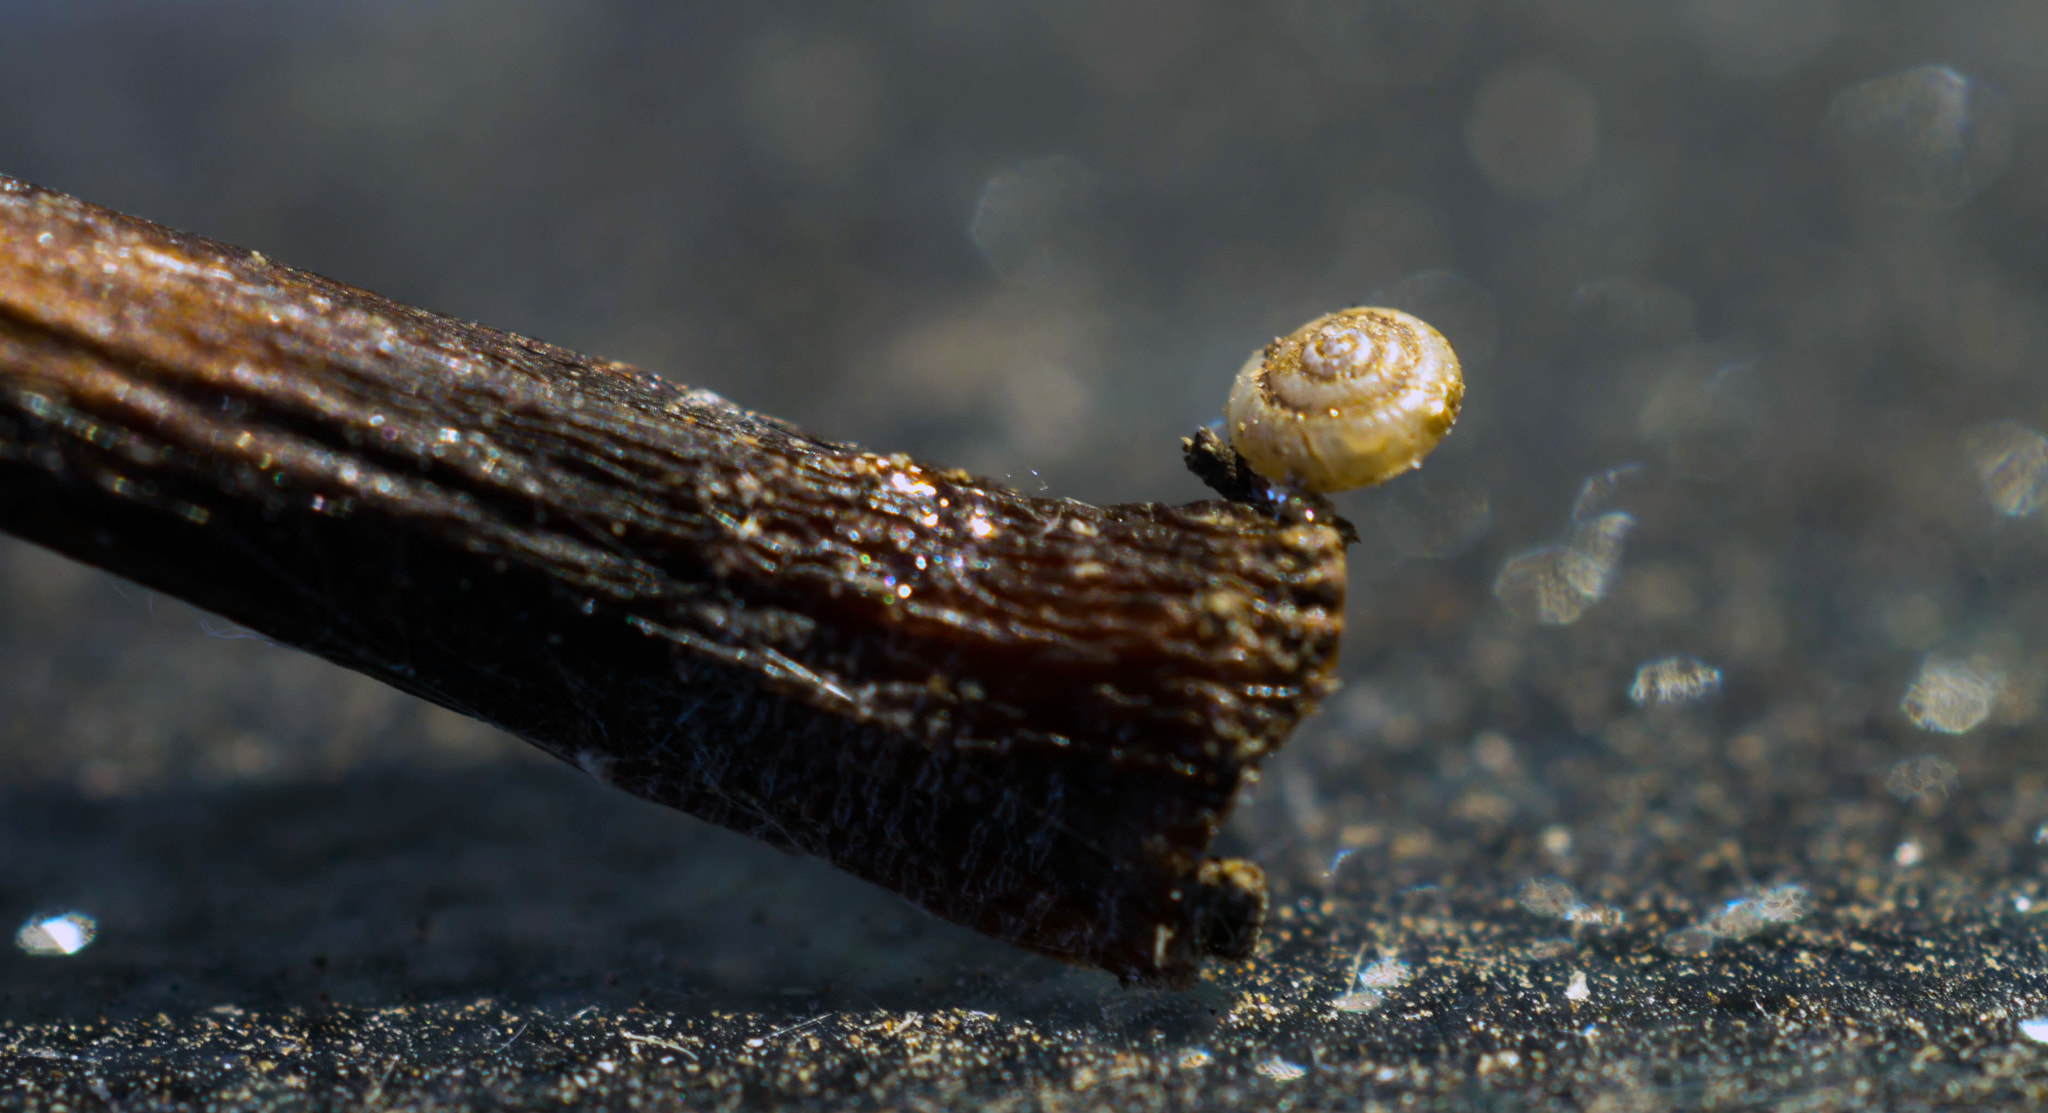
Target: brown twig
[1027, 715]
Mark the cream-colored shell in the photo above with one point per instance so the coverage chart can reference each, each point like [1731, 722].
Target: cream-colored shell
[1350, 399]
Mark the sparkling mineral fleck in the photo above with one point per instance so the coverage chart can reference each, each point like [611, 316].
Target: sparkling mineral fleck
[64, 934]
[1674, 680]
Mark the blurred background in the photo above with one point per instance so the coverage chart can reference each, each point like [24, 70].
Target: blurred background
[1734, 547]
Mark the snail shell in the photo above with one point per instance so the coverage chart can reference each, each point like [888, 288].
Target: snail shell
[1350, 399]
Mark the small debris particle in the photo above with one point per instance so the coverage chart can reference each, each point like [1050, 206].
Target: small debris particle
[66, 933]
[1928, 779]
[1669, 681]
[1280, 1070]
[1547, 896]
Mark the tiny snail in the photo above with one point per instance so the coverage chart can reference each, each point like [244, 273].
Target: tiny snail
[1350, 399]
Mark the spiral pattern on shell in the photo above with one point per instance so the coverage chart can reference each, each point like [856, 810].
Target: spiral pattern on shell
[1350, 399]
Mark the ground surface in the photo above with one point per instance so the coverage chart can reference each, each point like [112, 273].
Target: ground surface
[1690, 753]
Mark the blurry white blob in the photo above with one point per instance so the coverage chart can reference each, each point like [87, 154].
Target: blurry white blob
[1547, 896]
[1907, 853]
[1369, 986]
[1533, 585]
[1577, 989]
[1554, 899]
[1598, 493]
[1281, 1070]
[1432, 520]
[1761, 39]
[1951, 695]
[1674, 680]
[1923, 138]
[2035, 1029]
[1533, 130]
[64, 934]
[1388, 973]
[1736, 920]
[1030, 220]
[1593, 551]
[814, 102]
[1927, 778]
[1742, 918]
[2012, 464]
[1782, 904]
[1555, 584]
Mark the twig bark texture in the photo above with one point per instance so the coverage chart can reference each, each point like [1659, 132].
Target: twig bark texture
[1027, 715]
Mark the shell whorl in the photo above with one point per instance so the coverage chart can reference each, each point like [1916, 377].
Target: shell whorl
[1350, 399]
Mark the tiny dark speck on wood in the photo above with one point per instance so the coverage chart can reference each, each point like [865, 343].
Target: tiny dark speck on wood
[1026, 715]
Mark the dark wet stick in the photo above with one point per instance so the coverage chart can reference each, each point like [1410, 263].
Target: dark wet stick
[1027, 715]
